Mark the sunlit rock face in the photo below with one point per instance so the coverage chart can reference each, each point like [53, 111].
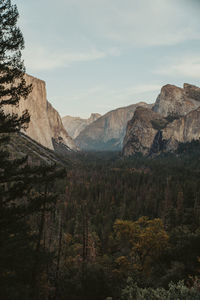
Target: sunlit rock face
[177, 101]
[74, 125]
[182, 130]
[108, 131]
[46, 124]
[174, 119]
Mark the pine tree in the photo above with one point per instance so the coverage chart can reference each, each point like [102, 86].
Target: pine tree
[13, 86]
[25, 192]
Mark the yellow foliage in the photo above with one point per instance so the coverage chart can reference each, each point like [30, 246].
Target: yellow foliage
[146, 239]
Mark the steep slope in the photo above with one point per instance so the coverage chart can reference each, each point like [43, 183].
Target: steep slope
[185, 129]
[74, 125]
[177, 101]
[174, 119]
[107, 132]
[46, 124]
[21, 145]
[58, 132]
[141, 131]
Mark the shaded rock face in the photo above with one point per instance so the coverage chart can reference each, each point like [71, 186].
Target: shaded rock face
[74, 125]
[140, 132]
[107, 132]
[58, 132]
[177, 101]
[156, 130]
[183, 130]
[46, 124]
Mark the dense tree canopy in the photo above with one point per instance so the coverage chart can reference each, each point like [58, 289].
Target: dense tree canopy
[12, 83]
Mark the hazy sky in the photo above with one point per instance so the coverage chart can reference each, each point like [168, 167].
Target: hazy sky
[97, 55]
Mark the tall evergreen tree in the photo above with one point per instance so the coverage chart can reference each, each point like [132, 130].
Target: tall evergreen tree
[25, 192]
[13, 86]
[14, 232]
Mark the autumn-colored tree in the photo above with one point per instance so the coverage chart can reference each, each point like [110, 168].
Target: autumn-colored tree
[142, 241]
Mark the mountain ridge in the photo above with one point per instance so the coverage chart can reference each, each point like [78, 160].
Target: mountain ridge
[74, 125]
[174, 119]
[107, 132]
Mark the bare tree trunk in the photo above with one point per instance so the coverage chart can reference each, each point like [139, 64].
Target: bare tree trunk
[58, 260]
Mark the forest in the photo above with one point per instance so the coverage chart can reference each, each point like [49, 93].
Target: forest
[131, 222]
[105, 227]
[94, 225]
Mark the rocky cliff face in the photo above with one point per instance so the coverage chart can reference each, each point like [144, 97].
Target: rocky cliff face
[74, 125]
[177, 101]
[108, 131]
[58, 132]
[173, 119]
[182, 130]
[140, 131]
[45, 125]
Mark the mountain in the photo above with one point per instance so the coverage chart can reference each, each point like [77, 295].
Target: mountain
[74, 125]
[177, 101]
[108, 131]
[46, 125]
[173, 119]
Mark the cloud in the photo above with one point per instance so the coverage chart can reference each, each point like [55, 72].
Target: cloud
[188, 67]
[38, 58]
[140, 22]
[127, 22]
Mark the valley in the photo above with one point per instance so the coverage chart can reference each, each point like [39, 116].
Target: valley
[126, 213]
[105, 207]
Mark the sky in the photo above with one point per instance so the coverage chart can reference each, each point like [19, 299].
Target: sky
[98, 55]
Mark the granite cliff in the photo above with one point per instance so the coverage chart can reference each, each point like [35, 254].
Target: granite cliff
[46, 125]
[177, 101]
[74, 125]
[173, 119]
[108, 131]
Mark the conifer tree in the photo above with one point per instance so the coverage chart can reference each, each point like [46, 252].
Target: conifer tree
[14, 231]
[13, 86]
[25, 191]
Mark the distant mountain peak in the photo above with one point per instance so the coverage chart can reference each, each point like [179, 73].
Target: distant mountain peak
[108, 131]
[74, 125]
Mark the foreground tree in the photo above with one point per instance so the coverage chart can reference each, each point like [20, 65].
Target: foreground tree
[12, 88]
[12, 82]
[26, 193]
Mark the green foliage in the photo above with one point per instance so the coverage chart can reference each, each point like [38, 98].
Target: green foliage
[106, 197]
[12, 83]
[27, 195]
[174, 291]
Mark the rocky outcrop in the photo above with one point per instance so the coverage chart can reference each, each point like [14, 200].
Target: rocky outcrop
[182, 130]
[45, 125]
[177, 101]
[174, 119]
[74, 125]
[107, 132]
[59, 134]
[141, 131]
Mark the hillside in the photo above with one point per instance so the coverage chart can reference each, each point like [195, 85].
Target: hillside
[107, 132]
